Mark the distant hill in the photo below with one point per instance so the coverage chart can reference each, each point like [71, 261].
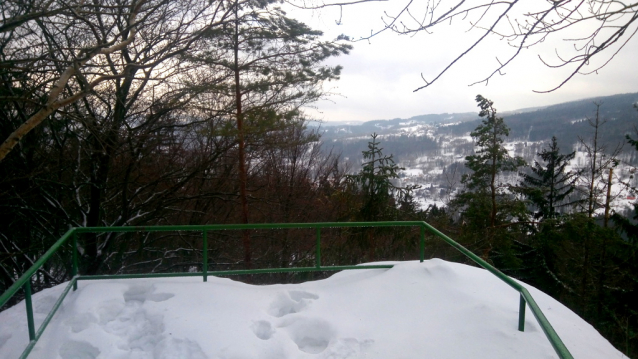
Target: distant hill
[390, 126]
[567, 121]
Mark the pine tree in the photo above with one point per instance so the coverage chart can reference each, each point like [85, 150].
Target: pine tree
[491, 158]
[548, 186]
[488, 204]
[263, 66]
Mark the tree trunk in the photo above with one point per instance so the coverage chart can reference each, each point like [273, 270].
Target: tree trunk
[608, 200]
[102, 152]
[243, 197]
[601, 269]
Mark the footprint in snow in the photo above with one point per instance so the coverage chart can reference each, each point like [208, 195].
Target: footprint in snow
[144, 292]
[263, 329]
[311, 335]
[140, 329]
[347, 348]
[174, 348]
[80, 322]
[291, 302]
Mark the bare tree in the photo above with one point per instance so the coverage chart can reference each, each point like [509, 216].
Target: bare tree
[110, 83]
[593, 183]
[68, 51]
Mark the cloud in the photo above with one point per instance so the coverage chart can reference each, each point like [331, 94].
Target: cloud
[380, 75]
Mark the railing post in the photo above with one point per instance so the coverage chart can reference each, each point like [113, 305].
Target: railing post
[28, 304]
[318, 248]
[422, 244]
[205, 265]
[521, 314]
[74, 269]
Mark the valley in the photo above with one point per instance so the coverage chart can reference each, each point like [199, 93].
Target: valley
[432, 148]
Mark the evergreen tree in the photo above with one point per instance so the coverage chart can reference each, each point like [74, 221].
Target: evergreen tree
[488, 204]
[379, 195]
[629, 227]
[378, 200]
[630, 140]
[548, 186]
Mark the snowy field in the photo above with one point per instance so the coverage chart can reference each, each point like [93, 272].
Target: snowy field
[434, 309]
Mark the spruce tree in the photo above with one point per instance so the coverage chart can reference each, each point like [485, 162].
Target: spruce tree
[378, 200]
[629, 227]
[549, 185]
[379, 195]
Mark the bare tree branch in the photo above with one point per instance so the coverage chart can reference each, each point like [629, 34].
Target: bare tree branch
[606, 27]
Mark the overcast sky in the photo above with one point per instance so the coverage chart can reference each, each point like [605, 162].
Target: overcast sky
[379, 76]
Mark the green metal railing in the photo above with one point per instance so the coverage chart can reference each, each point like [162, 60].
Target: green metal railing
[24, 281]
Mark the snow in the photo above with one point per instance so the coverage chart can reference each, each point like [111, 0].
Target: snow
[424, 203]
[410, 172]
[435, 309]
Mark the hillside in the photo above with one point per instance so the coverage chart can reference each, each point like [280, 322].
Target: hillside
[566, 121]
[432, 148]
[435, 309]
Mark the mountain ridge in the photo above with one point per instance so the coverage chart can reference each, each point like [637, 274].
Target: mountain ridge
[434, 149]
[627, 98]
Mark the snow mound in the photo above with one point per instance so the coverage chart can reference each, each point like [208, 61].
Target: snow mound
[435, 309]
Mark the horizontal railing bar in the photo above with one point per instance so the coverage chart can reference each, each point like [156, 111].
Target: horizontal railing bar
[300, 269]
[13, 289]
[133, 276]
[233, 272]
[221, 227]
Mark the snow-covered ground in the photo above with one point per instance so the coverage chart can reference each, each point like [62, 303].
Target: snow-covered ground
[429, 173]
[434, 309]
[425, 203]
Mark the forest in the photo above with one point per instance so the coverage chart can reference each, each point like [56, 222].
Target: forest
[152, 112]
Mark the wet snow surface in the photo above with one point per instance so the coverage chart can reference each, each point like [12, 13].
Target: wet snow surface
[434, 309]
